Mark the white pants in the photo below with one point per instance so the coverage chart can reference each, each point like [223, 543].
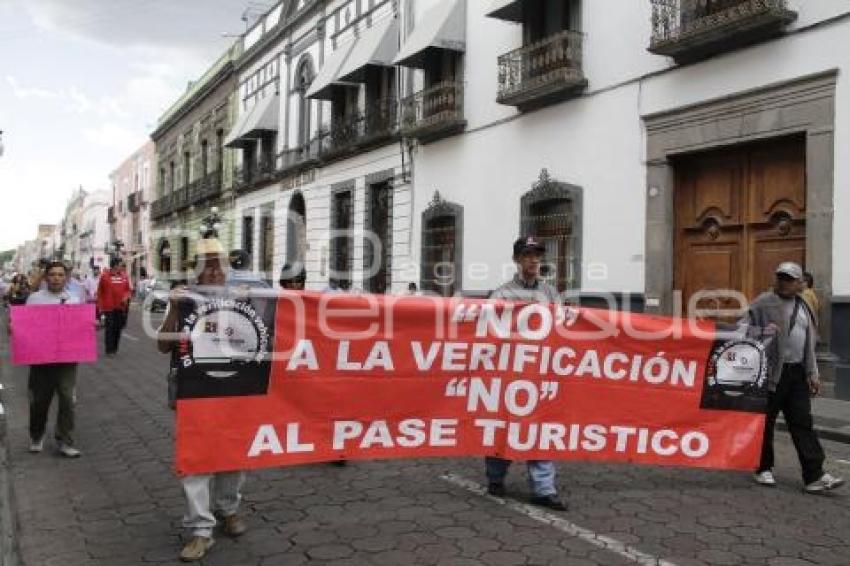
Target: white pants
[207, 494]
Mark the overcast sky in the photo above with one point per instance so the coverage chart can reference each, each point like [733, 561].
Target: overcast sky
[82, 83]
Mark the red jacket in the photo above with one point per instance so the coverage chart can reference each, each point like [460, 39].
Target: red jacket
[113, 291]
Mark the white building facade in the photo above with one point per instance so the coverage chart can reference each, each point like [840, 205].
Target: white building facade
[94, 238]
[655, 146]
[129, 212]
[323, 179]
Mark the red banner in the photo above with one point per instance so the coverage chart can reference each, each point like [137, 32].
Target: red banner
[370, 377]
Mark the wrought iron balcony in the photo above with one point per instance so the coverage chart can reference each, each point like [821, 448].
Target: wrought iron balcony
[134, 201]
[359, 131]
[161, 207]
[433, 113]
[180, 199]
[110, 215]
[301, 157]
[210, 187]
[687, 30]
[246, 179]
[543, 72]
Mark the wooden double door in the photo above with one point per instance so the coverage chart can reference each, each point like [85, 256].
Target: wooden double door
[739, 212]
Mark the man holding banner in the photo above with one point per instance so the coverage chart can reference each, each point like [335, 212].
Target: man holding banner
[206, 494]
[45, 380]
[793, 377]
[526, 286]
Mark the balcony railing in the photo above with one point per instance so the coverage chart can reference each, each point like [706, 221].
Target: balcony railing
[258, 174]
[434, 112]
[161, 207]
[110, 215]
[210, 187]
[687, 30]
[134, 201]
[541, 73]
[347, 135]
[180, 199]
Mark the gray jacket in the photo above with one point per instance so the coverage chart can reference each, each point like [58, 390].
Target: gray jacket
[767, 309]
[518, 290]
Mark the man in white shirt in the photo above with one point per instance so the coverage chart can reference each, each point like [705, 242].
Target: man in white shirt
[45, 380]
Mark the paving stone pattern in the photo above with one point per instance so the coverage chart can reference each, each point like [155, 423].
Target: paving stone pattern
[120, 504]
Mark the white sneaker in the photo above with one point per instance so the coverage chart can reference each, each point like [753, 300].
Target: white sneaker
[826, 482]
[37, 446]
[69, 451]
[765, 478]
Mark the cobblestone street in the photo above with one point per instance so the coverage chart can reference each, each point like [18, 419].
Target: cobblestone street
[121, 503]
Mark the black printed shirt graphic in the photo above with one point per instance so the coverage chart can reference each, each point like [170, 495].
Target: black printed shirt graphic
[228, 353]
[736, 376]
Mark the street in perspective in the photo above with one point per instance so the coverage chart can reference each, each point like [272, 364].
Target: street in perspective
[424, 282]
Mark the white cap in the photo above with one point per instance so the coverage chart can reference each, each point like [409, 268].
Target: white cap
[790, 269]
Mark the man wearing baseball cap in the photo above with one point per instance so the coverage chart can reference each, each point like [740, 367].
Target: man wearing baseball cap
[792, 377]
[207, 495]
[526, 286]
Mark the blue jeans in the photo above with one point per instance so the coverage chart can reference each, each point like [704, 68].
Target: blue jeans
[541, 474]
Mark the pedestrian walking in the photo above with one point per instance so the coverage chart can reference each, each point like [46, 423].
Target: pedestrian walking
[527, 286]
[810, 296]
[113, 300]
[793, 377]
[19, 290]
[49, 380]
[207, 495]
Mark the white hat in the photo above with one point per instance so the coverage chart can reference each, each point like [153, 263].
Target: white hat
[790, 269]
[210, 246]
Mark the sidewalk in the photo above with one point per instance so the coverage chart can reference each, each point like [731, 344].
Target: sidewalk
[832, 416]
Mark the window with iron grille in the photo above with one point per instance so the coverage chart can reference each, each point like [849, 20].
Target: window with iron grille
[442, 227]
[551, 212]
[377, 256]
[248, 234]
[342, 238]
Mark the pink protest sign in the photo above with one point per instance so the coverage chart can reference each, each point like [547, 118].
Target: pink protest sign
[53, 334]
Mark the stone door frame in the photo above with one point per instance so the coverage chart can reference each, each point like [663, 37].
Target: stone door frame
[802, 106]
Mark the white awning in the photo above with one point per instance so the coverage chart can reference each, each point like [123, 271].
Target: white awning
[234, 136]
[328, 75]
[377, 46]
[510, 10]
[264, 117]
[441, 27]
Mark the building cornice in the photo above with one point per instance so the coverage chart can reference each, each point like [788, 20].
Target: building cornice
[193, 101]
[269, 40]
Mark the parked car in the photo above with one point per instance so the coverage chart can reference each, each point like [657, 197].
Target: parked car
[157, 295]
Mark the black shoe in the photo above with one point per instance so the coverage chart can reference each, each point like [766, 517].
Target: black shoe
[496, 489]
[552, 502]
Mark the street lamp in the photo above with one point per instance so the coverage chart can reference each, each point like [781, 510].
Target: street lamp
[211, 224]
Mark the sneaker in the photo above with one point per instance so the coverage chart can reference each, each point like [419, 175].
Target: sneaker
[37, 446]
[234, 526]
[826, 482]
[496, 489]
[69, 451]
[765, 478]
[196, 548]
[552, 502]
